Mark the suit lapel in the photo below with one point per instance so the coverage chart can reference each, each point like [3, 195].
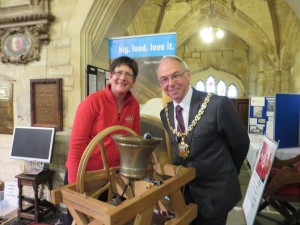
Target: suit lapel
[196, 102]
[171, 114]
[171, 118]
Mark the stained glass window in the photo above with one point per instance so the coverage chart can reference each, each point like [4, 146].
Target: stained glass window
[221, 88]
[210, 85]
[200, 86]
[232, 91]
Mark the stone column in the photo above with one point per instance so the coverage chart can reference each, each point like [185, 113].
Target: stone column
[285, 79]
[295, 73]
[277, 81]
[260, 83]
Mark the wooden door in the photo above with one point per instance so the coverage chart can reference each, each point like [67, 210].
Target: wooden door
[242, 106]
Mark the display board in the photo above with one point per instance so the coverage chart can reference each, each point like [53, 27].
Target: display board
[287, 114]
[96, 78]
[261, 116]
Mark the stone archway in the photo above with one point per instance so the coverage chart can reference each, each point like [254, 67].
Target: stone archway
[104, 20]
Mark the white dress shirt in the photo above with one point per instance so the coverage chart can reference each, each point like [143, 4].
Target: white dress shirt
[185, 104]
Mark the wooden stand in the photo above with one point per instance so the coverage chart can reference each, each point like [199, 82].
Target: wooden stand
[129, 200]
[141, 198]
[38, 208]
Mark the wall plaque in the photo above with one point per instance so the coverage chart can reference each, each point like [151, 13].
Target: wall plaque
[24, 29]
[6, 108]
[46, 103]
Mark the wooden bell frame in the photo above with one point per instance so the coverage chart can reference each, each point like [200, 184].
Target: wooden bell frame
[141, 199]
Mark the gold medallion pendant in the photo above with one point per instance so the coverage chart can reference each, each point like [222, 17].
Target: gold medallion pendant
[183, 149]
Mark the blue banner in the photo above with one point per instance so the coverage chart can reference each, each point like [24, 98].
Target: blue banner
[143, 46]
[147, 50]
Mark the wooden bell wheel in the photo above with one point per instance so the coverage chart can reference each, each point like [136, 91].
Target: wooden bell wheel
[98, 139]
[139, 203]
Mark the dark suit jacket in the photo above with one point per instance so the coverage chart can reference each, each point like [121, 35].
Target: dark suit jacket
[218, 146]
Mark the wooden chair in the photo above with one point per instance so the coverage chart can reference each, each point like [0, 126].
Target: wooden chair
[283, 189]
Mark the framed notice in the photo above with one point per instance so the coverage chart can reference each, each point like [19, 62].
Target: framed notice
[6, 108]
[46, 103]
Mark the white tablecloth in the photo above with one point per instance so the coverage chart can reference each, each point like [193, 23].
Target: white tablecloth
[287, 153]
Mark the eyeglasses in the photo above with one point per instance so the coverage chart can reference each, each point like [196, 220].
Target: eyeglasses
[174, 77]
[120, 73]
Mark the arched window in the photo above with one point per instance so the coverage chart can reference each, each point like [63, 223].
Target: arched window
[221, 88]
[210, 85]
[200, 86]
[232, 91]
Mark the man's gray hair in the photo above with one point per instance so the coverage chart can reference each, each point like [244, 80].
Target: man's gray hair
[174, 58]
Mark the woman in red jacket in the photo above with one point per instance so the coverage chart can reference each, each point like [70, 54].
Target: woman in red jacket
[115, 105]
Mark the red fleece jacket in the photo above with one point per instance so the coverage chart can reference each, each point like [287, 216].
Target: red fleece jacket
[97, 112]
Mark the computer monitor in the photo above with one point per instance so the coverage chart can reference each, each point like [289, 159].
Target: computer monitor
[34, 144]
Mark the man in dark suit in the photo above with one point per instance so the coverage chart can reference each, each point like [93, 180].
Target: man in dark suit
[213, 141]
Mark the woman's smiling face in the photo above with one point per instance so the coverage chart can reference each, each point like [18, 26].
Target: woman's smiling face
[121, 80]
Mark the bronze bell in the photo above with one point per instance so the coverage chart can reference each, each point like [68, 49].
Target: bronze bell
[135, 154]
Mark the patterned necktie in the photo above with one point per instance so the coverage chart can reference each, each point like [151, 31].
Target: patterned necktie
[179, 118]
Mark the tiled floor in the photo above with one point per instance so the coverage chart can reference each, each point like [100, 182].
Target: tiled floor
[267, 217]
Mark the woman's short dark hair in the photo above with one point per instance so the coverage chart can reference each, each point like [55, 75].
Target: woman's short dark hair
[125, 60]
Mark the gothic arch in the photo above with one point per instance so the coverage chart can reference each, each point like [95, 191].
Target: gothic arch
[104, 19]
[241, 25]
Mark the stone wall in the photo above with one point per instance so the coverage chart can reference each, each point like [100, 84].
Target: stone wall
[60, 59]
